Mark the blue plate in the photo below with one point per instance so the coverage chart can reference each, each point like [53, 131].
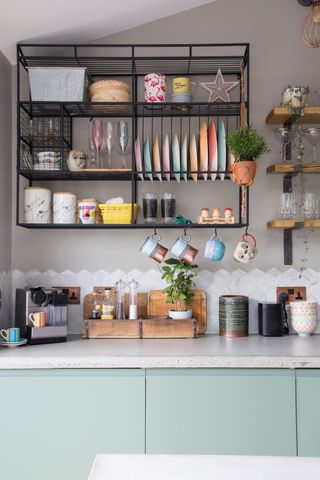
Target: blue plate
[147, 160]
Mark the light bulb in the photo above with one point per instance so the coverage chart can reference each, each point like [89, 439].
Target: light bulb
[310, 29]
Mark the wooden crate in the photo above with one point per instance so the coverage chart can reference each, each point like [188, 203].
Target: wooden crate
[142, 328]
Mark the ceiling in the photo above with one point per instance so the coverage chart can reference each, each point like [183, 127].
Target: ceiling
[59, 21]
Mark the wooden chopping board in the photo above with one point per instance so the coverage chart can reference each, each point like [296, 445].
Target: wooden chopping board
[157, 306]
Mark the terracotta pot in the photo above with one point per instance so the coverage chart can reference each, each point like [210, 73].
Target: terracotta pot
[245, 172]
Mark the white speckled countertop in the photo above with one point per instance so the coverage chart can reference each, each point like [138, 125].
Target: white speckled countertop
[204, 467]
[210, 351]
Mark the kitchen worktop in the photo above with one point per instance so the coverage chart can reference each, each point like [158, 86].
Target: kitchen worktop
[210, 351]
[204, 467]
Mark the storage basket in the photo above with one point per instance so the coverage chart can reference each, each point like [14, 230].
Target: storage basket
[58, 84]
[118, 212]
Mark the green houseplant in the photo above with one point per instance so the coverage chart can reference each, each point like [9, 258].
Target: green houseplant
[246, 145]
[180, 279]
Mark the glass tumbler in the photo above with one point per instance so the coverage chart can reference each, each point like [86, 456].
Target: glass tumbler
[288, 206]
[150, 207]
[168, 207]
[310, 206]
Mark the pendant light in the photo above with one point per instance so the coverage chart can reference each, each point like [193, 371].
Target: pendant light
[310, 29]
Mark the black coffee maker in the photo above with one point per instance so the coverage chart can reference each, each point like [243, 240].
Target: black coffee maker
[272, 318]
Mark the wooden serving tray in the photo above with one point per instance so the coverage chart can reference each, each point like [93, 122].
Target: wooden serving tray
[142, 328]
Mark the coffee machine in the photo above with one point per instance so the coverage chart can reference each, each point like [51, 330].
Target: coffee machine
[53, 302]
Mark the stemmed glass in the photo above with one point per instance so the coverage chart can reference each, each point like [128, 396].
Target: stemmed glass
[313, 137]
[109, 140]
[286, 137]
[98, 136]
[123, 139]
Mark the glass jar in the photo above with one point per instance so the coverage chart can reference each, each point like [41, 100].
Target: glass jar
[168, 207]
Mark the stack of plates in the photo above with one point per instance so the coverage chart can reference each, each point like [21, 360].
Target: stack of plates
[48, 161]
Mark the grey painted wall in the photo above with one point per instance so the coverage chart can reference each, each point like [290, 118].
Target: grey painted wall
[5, 186]
[278, 57]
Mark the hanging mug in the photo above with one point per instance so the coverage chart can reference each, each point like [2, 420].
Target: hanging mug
[245, 251]
[153, 249]
[215, 248]
[182, 250]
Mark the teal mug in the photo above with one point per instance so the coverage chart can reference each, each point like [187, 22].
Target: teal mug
[215, 249]
[11, 335]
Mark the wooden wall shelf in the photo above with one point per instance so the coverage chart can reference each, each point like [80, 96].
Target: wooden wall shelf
[292, 224]
[287, 169]
[282, 115]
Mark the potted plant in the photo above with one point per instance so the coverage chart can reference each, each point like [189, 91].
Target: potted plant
[246, 145]
[180, 279]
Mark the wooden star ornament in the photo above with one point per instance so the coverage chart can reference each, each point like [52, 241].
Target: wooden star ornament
[219, 88]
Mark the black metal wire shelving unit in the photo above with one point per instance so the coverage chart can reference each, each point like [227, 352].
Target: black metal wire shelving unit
[132, 62]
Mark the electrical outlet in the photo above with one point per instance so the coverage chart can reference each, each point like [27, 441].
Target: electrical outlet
[294, 293]
[73, 294]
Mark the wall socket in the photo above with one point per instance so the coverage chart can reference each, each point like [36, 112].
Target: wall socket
[294, 293]
[73, 294]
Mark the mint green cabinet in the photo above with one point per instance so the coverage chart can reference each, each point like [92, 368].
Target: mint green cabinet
[53, 423]
[308, 412]
[221, 411]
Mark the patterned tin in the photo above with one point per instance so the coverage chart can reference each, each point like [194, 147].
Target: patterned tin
[233, 315]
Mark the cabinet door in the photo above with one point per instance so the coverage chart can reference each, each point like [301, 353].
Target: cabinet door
[53, 423]
[308, 412]
[221, 411]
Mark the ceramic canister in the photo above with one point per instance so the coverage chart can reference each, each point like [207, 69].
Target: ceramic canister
[64, 207]
[155, 88]
[37, 205]
[87, 212]
[233, 315]
[304, 317]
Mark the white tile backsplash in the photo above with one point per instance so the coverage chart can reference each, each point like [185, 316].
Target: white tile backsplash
[257, 284]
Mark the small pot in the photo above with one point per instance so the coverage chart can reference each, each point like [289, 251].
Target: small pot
[175, 315]
[244, 172]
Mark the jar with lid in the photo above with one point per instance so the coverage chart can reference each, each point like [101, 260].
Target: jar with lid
[107, 306]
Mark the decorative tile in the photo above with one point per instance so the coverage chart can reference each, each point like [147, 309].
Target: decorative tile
[258, 285]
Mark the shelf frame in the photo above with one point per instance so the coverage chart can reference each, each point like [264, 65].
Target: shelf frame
[134, 62]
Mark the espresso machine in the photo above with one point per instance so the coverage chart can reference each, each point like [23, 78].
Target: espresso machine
[53, 302]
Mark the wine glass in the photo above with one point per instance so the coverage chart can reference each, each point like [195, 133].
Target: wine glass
[123, 139]
[313, 137]
[98, 136]
[286, 137]
[109, 139]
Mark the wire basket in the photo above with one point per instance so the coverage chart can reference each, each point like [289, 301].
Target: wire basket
[118, 213]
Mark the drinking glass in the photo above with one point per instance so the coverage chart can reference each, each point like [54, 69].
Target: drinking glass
[123, 139]
[310, 206]
[98, 137]
[286, 137]
[288, 206]
[150, 206]
[313, 137]
[109, 140]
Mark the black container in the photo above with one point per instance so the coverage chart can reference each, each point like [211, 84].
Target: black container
[271, 319]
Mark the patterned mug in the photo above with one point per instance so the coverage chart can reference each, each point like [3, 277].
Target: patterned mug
[11, 335]
[304, 317]
[245, 251]
[155, 88]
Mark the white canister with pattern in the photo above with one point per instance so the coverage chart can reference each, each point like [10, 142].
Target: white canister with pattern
[37, 205]
[155, 88]
[64, 207]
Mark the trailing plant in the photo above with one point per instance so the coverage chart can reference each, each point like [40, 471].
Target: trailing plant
[180, 279]
[246, 144]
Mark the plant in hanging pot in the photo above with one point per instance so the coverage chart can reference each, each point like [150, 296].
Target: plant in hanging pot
[180, 279]
[246, 145]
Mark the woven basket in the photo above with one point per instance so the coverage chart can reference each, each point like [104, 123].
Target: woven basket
[118, 213]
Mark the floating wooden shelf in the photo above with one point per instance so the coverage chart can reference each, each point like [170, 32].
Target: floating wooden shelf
[291, 224]
[282, 115]
[284, 168]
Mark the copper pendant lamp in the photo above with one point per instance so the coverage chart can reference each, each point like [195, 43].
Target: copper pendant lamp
[310, 29]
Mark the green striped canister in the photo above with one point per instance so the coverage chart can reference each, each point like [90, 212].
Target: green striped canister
[233, 315]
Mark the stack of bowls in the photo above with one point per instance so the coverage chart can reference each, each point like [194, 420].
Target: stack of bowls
[48, 161]
[304, 317]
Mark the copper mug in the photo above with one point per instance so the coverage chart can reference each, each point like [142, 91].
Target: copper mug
[183, 250]
[152, 248]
